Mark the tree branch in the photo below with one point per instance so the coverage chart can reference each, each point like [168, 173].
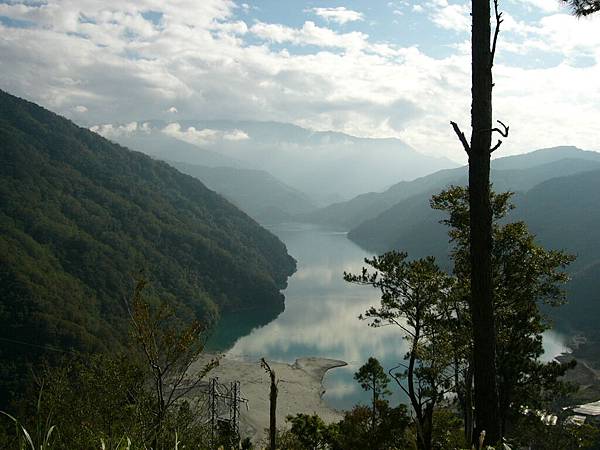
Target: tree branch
[504, 132]
[496, 147]
[499, 20]
[397, 380]
[461, 137]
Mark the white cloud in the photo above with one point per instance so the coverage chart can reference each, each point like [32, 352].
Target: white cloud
[113, 131]
[310, 34]
[172, 110]
[450, 16]
[80, 109]
[206, 136]
[340, 14]
[191, 135]
[547, 6]
[202, 58]
[236, 135]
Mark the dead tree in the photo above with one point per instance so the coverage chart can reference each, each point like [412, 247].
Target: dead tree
[479, 150]
[272, 403]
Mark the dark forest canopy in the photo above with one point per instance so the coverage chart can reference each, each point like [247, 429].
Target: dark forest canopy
[79, 215]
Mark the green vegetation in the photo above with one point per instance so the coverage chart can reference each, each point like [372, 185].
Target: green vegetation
[80, 215]
[561, 212]
[376, 427]
[431, 310]
[414, 297]
[372, 377]
[81, 218]
[144, 397]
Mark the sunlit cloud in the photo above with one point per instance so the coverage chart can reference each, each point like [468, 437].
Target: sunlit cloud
[133, 61]
[204, 136]
[340, 14]
[112, 131]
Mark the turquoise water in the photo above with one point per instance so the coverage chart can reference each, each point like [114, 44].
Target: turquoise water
[321, 316]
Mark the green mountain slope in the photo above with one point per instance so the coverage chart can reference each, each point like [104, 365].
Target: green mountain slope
[564, 213]
[515, 173]
[79, 215]
[256, 192]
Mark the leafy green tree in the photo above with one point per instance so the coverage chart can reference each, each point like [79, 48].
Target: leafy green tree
[533, 433]
[448, 429]
[97, 397]
[414, 297]
[524, 275]
[354, 430]
[169, 347]
[372, 377]
[310, 431]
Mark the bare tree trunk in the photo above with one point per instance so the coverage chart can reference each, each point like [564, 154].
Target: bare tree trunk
[272, 412]
[469, 405]
[373, 408]
[482, 310]
[423, 433]
[272, 404]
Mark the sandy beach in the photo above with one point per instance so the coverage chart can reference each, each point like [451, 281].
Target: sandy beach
[300, 390]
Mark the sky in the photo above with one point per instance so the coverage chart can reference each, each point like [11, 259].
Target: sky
[372, 68]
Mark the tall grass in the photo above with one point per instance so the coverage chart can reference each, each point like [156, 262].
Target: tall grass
[42, 435]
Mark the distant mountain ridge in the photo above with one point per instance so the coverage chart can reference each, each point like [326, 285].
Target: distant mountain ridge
[80, 215]
[327, 166]
[563, 212]
[517, 173]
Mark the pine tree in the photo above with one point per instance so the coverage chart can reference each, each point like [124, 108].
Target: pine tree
[583, 7]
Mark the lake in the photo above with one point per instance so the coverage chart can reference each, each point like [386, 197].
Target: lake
[321, 316]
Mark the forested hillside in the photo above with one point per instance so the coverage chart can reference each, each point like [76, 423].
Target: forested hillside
[80, 215]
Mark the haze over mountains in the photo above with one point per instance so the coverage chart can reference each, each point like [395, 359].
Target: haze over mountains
[326, 166]
[381, 218]
[68, 193]
[557, 193]
[256, 192]
[516, 173]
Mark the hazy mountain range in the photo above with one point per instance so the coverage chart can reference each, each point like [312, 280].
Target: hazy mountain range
[326, 166]
[557, 195]
[256, 192]
[516, 173]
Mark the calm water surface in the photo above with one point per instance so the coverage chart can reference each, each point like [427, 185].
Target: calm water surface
[321, 316]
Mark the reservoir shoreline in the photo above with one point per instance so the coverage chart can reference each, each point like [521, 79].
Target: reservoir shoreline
[300, 389]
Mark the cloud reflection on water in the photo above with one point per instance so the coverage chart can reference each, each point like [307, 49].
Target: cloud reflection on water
[321, 316]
